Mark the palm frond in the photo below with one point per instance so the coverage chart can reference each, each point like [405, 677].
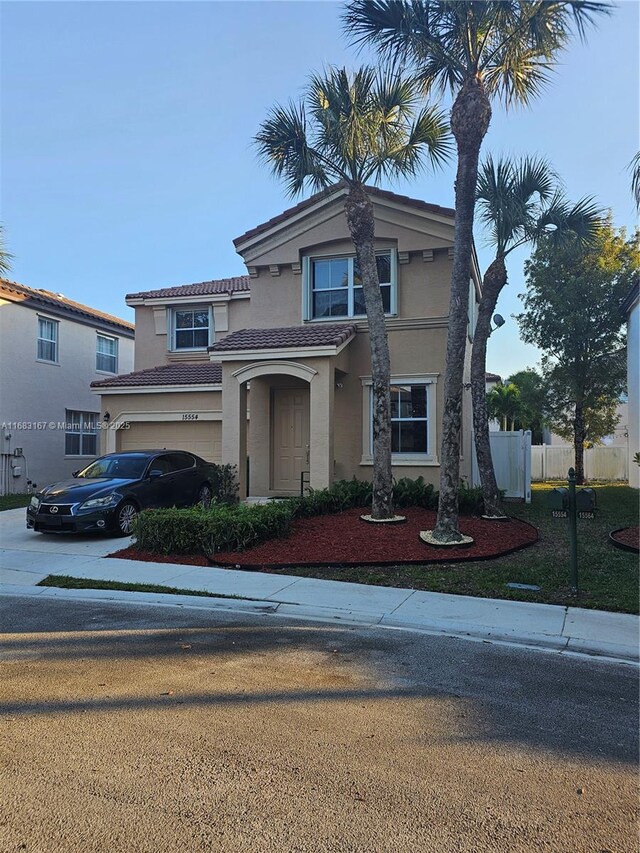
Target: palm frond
[563, 223]
[634, 165]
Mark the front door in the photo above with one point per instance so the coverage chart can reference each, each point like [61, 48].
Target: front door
[290, 438]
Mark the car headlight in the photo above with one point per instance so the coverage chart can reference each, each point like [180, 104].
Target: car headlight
[98, 503]
[35, 502]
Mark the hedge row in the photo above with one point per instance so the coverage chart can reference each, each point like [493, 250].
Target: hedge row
[226, 527]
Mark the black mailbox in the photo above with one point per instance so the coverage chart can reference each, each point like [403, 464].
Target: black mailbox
[585, 503]
[559, 502]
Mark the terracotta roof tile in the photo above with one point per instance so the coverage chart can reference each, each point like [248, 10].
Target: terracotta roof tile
[237, 284]
[309, 202]
[48, 299]
[207, 373]
[316, 335]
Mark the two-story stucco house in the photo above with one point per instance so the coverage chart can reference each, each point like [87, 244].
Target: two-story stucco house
[51, 349]
[274, 367]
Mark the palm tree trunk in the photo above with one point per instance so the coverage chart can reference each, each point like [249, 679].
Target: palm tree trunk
[579, 435]
[494, 280]
[470, 117]
[360, 220]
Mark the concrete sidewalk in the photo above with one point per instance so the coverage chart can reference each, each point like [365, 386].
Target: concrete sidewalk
[563, 629]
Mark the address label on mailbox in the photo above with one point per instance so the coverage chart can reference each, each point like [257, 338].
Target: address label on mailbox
[559, 513]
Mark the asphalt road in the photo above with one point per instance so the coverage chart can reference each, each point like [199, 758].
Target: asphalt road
[142, 730]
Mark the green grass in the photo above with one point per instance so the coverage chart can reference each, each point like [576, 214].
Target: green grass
[67, 582]
[13, 501]
[608, 577]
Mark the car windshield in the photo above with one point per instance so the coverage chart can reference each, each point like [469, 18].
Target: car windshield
[116, 467]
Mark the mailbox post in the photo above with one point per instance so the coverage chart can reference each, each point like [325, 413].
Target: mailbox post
[572, 503]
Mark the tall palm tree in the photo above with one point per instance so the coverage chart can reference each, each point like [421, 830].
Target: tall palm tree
[519, 202]
[477, 51]
[355, 128]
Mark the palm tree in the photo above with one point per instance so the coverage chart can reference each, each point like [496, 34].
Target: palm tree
[355, 128]
[519, 202]
[634, 165]
[5, 257]
[503, 404]
[477, 51]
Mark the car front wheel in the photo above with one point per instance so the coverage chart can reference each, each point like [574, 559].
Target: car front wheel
[125, 518]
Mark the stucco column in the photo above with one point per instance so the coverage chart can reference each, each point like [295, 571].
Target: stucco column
[322, 388]
[259, 437]
[234, 426]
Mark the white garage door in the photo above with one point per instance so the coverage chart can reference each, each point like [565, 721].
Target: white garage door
[203, 438]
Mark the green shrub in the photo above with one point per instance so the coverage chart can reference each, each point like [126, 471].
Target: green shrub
[221, 527]
[470, 500]
[224, 484]
[407, 492]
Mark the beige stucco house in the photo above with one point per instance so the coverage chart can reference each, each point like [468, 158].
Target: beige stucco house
[51, 349]
[274, 367]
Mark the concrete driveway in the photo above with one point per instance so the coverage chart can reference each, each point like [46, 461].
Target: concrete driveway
[22, 549]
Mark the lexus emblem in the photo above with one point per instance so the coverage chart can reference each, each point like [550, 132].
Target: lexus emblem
[54, 509]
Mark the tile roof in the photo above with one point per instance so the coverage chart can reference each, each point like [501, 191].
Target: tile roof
[309, 202]
[292, 337]
[492, 377]
[236, 284]
[48, 299]
[206, 373]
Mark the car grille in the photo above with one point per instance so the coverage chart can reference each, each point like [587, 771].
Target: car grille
[55, 509]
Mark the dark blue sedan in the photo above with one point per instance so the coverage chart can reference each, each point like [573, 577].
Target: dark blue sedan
[108, 494]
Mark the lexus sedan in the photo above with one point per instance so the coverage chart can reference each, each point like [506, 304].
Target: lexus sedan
[108, 494]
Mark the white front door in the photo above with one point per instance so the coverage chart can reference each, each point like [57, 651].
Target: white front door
[289, 438]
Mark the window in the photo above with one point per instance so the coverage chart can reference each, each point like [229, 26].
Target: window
[334, 286]
[47, 339]
[413, 420]
[107, 354]
[81, 435]
[191, 328]
[409, 425]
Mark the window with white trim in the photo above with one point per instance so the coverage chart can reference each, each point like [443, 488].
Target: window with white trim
[47, 339]
[191, 328]
[81, 433]
[107, 354]
[413, 419]
[333, 286]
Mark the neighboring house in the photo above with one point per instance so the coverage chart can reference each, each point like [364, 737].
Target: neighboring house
[51, 349]
[631, 309]
[274, 367]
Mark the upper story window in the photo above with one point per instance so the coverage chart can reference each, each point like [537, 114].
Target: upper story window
[333, 286]
[47, 339]
[107, 354]
[191, 328]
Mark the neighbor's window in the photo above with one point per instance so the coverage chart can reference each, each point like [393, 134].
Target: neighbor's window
[47, 339]
[191, 328]
[334, 286]
[107, 354]
[81, 435]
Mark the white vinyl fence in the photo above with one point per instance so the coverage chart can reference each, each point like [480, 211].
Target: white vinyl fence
[511, 453]
[552, 462]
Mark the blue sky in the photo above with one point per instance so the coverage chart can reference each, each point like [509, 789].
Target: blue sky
[126, 155]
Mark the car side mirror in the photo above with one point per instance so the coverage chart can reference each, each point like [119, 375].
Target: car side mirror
[75, 473]
[155, 473]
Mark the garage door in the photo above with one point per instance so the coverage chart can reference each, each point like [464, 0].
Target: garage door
[203, 438]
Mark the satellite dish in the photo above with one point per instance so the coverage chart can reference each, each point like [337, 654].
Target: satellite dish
[498, 319]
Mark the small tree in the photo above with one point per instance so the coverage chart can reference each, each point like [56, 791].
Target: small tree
[534, 405]
[572, 312]
[356, 128]
[504, 405]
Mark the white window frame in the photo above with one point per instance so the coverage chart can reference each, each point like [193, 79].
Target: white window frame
[307, 286]
[114, 356]
[430, 380]
[172, 325]
[55, 325]
[81, 431]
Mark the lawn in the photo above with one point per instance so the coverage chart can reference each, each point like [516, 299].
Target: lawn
[13, 501]
[608, 577]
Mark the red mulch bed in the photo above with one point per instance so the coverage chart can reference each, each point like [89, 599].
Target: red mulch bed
[343, 539]
[627, 538]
